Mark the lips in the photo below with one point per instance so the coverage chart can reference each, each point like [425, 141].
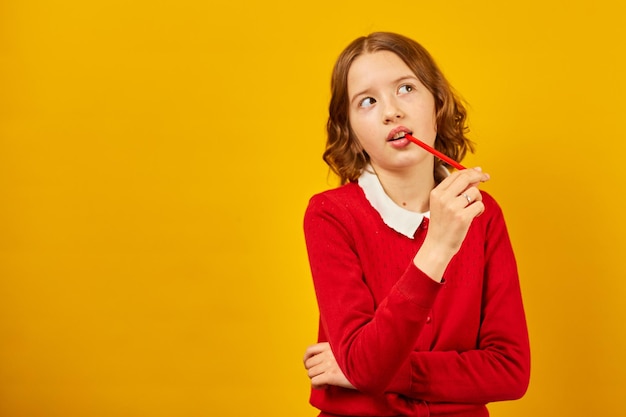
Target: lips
[397, 134]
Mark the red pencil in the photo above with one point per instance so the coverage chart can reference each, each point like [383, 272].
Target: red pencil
[435, 152]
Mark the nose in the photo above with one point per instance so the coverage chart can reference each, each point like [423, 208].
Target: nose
[392, 112]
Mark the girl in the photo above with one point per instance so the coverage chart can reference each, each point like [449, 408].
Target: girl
[420, 305]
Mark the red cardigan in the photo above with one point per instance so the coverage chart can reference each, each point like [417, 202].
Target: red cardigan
[411, 346]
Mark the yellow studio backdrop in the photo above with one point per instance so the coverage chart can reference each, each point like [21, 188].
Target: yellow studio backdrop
[156, 159]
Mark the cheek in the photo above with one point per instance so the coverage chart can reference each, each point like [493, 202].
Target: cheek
[357, 128]
[433, 121]
[434, 116]
[362, 121]
[354, 136]
[363, 136]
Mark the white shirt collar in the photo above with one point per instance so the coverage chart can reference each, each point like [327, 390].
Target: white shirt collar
[399, 219]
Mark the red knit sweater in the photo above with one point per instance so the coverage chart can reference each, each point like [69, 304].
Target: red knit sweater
[411, 346]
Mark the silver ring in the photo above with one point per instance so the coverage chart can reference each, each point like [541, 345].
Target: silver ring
[467, 197]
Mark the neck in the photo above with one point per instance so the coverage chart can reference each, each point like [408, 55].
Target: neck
[409, 188]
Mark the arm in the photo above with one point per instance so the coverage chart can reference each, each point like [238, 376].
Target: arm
[499, 368]
[322, 367]
[372, 342]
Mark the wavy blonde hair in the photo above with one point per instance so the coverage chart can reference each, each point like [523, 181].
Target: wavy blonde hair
[344, 154]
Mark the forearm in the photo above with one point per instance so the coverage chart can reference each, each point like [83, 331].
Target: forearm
[371, 349]
[477, 376]
[495, 367]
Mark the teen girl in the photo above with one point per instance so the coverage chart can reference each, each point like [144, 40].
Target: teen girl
[420, 306]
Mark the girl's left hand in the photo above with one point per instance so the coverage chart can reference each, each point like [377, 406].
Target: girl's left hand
[454, 204]
[322, 367]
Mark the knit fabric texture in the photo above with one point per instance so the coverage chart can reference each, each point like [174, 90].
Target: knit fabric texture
[412, 346]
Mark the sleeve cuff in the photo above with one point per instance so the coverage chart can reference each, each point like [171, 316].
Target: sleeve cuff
[419, 288]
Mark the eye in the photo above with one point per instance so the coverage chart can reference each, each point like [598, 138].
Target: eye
[406, 88]
[366, 102]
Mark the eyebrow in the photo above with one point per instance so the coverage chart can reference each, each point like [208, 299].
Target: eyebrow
[396, 81]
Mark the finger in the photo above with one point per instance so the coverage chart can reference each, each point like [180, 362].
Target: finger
[465, 199]
[316, 370]
[485, 176]
[319, 379]
[475, 209]
[314, 361]
[460, 180]
[469, 178]
[318, 383]
[470, 196]
[315, 349]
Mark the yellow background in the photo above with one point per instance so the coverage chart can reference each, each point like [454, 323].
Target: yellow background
[156, 159]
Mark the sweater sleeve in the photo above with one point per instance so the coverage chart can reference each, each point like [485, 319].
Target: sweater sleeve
[499, 368]
[371, 343]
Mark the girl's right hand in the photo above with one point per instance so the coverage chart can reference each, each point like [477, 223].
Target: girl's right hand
[454, 204]
[322, 367]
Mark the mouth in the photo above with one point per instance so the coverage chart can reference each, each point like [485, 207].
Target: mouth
[399, 135]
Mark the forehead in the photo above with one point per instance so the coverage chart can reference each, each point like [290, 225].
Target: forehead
[371, 69]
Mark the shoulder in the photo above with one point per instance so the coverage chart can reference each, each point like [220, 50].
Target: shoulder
[493, 217]
[349, 190]
[337, 198]
[491, 205]
[342, 207]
